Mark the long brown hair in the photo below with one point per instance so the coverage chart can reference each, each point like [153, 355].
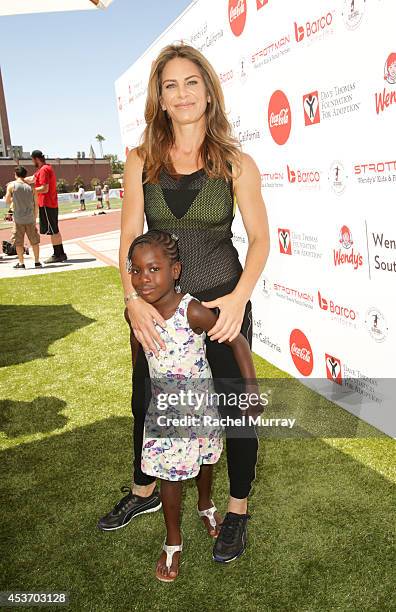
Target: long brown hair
[219, 150]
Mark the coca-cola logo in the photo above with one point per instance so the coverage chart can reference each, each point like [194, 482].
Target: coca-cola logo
[237, 15]
[279, 117]
[301, 352]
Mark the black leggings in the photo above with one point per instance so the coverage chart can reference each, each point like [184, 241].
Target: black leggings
[241, 449]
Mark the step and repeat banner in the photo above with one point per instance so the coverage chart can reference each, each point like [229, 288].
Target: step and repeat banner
[310, 88]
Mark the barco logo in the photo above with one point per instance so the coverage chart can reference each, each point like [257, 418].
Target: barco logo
[312, 27]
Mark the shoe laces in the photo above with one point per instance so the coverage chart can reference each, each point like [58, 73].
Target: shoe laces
[125, 501]
[230, 526]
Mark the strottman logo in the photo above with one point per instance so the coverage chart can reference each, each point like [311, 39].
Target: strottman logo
[279, 117]
[237, 15]
[333, 369]
[311, 108]
[385, 98]
[284, 241]
[312, 27]
[351, 257]
[301, 352]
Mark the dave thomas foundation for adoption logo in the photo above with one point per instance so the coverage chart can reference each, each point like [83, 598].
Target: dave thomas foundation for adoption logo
[311, 108]
[284, 241]
[261, 3]
[237, 10]
[386, 98]
[279, 117]
[301, 352]
[333, 368]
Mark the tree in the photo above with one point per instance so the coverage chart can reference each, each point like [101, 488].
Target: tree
[62, 186]
[117, 166]
[100, 139]
[112, 182]
[78, 181]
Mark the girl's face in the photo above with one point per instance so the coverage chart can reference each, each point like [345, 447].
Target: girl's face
[184, 92]
[152, 274]
[392, 70]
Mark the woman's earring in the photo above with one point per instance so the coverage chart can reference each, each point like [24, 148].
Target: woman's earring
[178, 288]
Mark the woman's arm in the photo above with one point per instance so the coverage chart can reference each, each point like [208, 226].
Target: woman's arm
[254, 216]
[141, 314]
[203, 319]
[132, 212]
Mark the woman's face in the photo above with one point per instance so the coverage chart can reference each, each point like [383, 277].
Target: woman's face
[183, 91]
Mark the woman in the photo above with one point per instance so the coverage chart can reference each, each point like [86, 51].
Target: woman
[183, 177]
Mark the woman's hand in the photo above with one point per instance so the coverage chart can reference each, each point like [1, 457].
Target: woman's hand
[142, 316]
[229, 323]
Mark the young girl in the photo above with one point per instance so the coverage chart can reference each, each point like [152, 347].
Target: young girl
[154, 265]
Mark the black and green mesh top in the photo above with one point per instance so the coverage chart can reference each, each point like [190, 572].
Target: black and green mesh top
[200, 211]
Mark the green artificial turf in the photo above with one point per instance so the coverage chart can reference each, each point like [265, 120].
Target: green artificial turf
[321, 536]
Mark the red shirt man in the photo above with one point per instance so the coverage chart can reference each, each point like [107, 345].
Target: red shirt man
[45, 175]
[44, 181]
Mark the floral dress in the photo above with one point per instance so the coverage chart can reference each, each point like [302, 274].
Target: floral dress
[170, 451]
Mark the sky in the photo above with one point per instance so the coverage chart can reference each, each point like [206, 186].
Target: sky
[59, 71]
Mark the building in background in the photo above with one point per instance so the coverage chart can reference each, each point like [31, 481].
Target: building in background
[67, 169]
[5, 138]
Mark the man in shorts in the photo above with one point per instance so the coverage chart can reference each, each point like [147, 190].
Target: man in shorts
[44, 181]
[81, 197]
[21, 195]
[106, 196]
[99, 196]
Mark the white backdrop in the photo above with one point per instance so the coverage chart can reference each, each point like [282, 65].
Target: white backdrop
[311, 92]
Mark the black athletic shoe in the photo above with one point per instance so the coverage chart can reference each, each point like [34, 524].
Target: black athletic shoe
[54, 259]
[232, 539]
[129, 507]
[38, 264]
[19, 266]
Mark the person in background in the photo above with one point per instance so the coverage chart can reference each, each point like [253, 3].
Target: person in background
[106, 196]
[99, 196]
[44, 181]
[81, 197]
[21, 195]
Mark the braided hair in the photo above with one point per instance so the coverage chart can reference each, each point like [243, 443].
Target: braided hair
[165, 240]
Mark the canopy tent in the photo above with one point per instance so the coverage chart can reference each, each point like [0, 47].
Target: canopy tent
[17, 7]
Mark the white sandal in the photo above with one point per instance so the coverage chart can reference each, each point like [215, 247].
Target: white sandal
[170, 551]
[209, 514]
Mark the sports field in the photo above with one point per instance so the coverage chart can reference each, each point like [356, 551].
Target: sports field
[321, 536]
[66, 208]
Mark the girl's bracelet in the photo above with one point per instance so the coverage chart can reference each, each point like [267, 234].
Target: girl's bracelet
[131, 296]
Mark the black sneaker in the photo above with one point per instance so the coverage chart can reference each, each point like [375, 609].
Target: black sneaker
[55, 259]
[232, 539]
[19, 266]
[38, 264]
[127, 508]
